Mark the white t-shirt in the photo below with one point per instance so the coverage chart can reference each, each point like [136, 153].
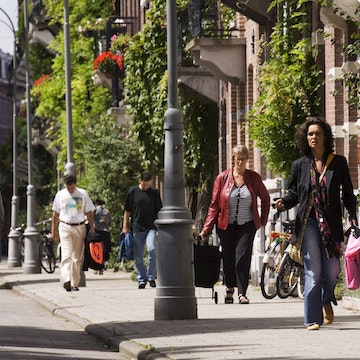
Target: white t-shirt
[72, 207]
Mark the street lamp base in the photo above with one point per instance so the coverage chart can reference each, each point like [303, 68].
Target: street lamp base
[14, 253]
[31, 258]
[175, 291]
[175, 307]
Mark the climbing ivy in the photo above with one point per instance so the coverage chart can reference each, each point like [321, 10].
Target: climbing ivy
[288, 81]
[146, 88]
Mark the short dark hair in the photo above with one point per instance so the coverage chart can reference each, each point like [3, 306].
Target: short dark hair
[145, 176]
[69, 179]
[301, 135]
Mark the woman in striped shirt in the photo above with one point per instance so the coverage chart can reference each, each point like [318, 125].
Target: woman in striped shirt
[234, 209]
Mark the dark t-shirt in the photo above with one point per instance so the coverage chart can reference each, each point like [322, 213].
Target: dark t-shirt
[144, 206]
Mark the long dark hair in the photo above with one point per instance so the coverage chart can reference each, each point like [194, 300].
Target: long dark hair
[301, 136]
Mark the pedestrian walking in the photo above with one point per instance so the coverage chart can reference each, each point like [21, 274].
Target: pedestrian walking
[234, 210]
[327, 185]
[102, 223]
[70, 207]
[141, 208]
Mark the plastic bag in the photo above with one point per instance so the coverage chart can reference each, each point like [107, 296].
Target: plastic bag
[352, 260]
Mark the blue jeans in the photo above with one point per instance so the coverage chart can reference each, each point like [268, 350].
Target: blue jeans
[321, 274]
[140, 239]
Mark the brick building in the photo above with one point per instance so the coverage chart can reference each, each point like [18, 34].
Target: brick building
[233, 62]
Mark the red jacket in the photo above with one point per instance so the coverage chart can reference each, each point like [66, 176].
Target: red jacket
[218, 212]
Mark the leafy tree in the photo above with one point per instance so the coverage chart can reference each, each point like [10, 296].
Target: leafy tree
[146, 86]
[112, 168]
[88, 101]
[106, 158]
[289, 81]
[101, 148]
[146, 93]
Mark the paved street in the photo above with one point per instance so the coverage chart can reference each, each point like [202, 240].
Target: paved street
[113, 310]
[28, 331]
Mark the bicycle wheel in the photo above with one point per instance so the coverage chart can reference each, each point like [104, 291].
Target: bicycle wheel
[286, 281]
[47, 256]
[300, 283]
[270, 269]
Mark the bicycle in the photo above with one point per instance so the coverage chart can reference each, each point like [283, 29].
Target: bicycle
[271, 264]
[290, 278]
[273, 258]
[47, 256]
[46, 252]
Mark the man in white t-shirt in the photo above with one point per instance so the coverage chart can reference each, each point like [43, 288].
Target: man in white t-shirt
[70, 206]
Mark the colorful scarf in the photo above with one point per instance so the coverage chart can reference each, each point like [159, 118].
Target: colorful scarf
[321, 205]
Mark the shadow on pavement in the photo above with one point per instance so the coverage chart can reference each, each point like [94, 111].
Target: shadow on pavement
[23, 342]
[10, 284]
[153, 329]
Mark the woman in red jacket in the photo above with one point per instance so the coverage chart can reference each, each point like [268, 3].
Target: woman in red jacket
[234, 209]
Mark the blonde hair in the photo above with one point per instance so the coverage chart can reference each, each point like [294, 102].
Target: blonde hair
[240, 150]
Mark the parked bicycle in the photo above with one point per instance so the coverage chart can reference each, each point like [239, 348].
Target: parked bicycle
[47, 256]
[280, 275]
[271, 264]
[290, 279]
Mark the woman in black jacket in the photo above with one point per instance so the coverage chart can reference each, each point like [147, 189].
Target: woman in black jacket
[324, 231]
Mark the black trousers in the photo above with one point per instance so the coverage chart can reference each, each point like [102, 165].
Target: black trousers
[237, 244]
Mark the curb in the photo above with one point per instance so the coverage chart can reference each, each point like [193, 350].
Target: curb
[351, 303]
[120, 344]
[138, 351]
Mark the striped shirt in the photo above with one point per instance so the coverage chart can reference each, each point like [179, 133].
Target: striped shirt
[240, 205]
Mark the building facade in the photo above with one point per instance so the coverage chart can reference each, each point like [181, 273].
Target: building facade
[239, 89]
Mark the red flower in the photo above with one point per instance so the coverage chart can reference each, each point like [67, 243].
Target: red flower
[105, 61]
[42, 78]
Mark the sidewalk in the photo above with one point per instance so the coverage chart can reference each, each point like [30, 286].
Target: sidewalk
[113, 309]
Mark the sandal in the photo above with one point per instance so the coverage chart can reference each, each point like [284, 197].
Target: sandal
[229, 296]
[243, 299]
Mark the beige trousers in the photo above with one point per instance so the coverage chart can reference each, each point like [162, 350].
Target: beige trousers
[72, 239]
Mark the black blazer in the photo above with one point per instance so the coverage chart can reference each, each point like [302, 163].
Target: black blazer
[338, 186]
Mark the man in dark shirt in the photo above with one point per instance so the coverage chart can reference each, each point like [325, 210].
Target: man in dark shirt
[141, 208]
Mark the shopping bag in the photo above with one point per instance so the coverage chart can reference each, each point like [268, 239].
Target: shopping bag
[295, 253]
[94, 252]
[352, 260]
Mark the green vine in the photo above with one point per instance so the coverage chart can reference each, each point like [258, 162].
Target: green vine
[146, 93]
[288, 81]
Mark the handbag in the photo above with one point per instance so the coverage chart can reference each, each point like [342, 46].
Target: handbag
[295, 250]
[352, 259]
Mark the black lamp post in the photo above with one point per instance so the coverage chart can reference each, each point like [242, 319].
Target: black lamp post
[70, 166]
[31, 235]
[175, 294]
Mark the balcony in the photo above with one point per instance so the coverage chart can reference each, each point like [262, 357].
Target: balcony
[224, 58]
[256, 10]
